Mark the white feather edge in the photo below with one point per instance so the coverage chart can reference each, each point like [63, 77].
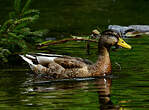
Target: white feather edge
[32, 66]
[26, 59]
[49, 54]
[30, 56]
[42, 60]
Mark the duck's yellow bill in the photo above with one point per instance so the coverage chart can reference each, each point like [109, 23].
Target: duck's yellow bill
[122, 43]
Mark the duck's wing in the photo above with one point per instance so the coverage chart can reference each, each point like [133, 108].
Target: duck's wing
[72, 62]
[63, 57]
[69, 62]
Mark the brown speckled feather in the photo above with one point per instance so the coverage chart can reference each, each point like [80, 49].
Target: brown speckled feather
[69, 63]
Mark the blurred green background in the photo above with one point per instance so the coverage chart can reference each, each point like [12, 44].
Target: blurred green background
[66, 17]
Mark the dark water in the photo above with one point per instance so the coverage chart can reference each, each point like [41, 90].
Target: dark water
[127, 89]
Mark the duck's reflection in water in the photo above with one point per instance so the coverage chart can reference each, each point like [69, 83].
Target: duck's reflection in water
[104, 90]
[102, 87]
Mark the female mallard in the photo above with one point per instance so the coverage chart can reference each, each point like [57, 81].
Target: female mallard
[59, 66]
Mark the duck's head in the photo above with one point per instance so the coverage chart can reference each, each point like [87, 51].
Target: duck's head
[110, 38]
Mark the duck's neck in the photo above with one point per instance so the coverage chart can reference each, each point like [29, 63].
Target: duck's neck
[103, 64]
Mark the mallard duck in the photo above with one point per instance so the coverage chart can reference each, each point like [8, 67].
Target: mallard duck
[64, 67]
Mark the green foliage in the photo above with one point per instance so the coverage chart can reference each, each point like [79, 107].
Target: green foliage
[26, 6]
[17, 6]
[4, 54]
[16, 32]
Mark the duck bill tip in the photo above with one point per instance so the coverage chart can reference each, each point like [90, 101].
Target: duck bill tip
[123, 44]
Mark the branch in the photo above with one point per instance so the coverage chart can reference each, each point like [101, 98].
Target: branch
[63, 41]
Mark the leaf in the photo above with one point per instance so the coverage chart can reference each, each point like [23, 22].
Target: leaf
[22, 44]
[23, 31]
[26, 6]
[27, 19]
[17, 5]
[4, 54]
[5, 25]
[45, 42]
[14, 36]
[20, 26]
[32, 11]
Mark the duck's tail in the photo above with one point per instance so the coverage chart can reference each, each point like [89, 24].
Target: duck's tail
[32, 60]
[29, 59]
